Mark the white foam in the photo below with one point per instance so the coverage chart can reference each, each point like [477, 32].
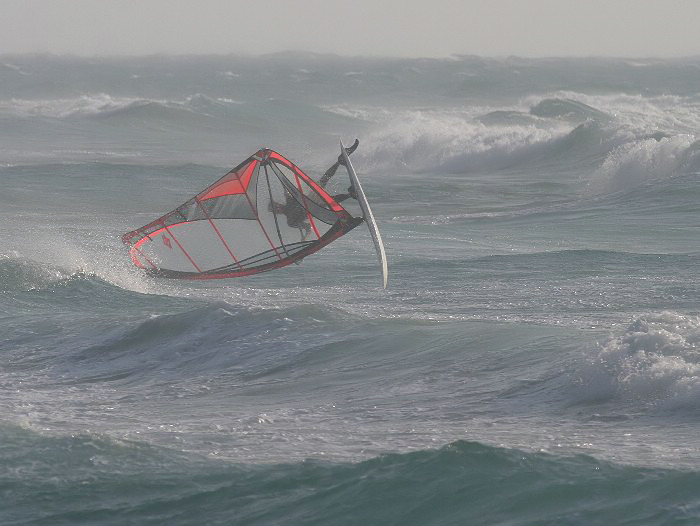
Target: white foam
[455, 141]
[91, 254]
[655, 362]
[640, 137]
[640, 161]
[636, 113]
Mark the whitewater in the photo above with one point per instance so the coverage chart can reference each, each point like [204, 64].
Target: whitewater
[534, 360]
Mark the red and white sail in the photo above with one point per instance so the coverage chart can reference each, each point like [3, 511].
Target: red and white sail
[262, 215]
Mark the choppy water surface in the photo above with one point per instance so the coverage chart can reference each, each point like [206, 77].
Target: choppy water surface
[534, 360]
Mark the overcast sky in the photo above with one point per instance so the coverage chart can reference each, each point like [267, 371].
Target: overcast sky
[406, 28]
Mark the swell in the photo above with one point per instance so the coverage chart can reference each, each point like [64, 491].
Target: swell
[94, 479]
[198, 111]
[584, 260]
[218, 343]
[468, 201]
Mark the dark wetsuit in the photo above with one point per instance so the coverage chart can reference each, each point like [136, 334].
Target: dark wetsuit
[295, 213]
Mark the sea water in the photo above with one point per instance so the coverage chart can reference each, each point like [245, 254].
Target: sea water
[534, 360]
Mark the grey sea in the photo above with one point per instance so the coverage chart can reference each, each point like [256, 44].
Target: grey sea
[534, 360]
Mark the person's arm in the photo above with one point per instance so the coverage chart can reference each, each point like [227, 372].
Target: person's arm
[342, 197]
[323, 181]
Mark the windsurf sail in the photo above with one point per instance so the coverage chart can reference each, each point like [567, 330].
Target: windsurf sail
[264, 214]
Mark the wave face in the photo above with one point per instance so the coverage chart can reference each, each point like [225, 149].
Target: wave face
[117, 482]
[533, 361]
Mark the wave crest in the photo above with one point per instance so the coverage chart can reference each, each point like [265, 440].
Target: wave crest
[457, 143]
[647, 159]
[20, 274]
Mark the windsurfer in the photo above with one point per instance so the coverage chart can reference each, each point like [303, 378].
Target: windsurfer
[297, 216]
[295, 212]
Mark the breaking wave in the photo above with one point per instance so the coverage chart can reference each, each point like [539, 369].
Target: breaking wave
[606, 143]
[647, 159]
[605, 150]
[654, 365]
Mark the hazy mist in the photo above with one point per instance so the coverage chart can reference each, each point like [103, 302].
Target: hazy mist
[437, 28]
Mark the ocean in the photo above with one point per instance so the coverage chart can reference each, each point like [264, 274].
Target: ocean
[535, 358]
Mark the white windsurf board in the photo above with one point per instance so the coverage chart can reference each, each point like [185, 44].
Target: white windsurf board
[367, 213]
